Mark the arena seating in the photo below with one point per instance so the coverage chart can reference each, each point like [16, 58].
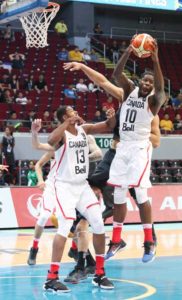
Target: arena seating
[46, 62]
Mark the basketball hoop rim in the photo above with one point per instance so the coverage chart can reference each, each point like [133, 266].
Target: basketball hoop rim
[55, 5]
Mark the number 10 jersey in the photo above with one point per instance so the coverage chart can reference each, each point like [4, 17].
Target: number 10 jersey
[135, 118]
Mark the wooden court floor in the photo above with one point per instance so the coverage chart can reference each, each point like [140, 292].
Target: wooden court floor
[158, 280]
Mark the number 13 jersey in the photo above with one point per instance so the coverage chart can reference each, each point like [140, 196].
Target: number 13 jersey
[135, 118]
[72, 158]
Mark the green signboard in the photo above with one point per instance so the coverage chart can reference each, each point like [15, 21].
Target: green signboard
[103, 142]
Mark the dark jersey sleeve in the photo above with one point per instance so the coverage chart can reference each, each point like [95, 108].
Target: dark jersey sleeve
[116, 128]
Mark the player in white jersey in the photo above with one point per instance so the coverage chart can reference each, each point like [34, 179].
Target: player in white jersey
[72, 192]
[131, 164]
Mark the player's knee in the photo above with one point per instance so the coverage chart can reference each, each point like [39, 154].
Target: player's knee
[64, 227]
[98, 227]
[141, 195]
[42, 220]
[82, 226]
[95, 219]
[120, 195]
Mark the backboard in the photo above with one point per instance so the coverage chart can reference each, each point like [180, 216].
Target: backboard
[14, 9]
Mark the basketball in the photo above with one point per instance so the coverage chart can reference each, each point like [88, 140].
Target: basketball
[143, 44]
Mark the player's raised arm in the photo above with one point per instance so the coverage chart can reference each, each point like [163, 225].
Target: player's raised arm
[38, 168]
[159, 93]
[102, 127]
[35, 128]
[119, 77]
[97, 78]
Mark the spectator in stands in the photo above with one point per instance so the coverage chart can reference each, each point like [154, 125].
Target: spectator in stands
[30, 118]
[75, 55]
[168, 102]
[93, 55]
[8, 143]
[54, 120]
[94, 88]
[32, 176]
[114, 52]
[40, 84]
[13, 122]
[14, 83]
[8, 34]
[177, 102]
[103, 113]
[122, 48]
[6, 66]
[70, 92]
[86, 55]
[81, 86]
[177, 122]
[109, 103]
[5, 82]
[7, 97]
[29, 83]
[165, 123]
[17, 60]
[46, 121]
[63, 54]
[98, 30]
[98, 117]
[61, 28]
[21, 99]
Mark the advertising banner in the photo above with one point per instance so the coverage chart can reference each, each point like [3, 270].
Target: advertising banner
[20, 207]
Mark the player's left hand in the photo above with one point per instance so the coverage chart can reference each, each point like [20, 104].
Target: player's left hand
[36, 125]
[110, 113]
[4, 167]
[72, 66]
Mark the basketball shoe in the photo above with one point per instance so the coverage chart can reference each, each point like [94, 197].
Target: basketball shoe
[75, 276]
[55, 286]
[102, 281]
[149, 252]
[90, 270]
[114, 248]
[32, 256]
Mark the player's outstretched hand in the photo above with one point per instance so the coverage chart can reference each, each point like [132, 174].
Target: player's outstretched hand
[4, 167]
[72, 66]
[36, 125]
[110, 113]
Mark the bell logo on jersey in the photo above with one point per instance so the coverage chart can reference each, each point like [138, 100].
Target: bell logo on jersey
[128, 127]
[79, 170]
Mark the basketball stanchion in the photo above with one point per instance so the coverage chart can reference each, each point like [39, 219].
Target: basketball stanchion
[36, 25]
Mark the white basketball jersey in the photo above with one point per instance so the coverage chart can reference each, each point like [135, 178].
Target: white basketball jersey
[135, 118]
[72, 158]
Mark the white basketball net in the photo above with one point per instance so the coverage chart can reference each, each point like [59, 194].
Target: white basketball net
[36, 25]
